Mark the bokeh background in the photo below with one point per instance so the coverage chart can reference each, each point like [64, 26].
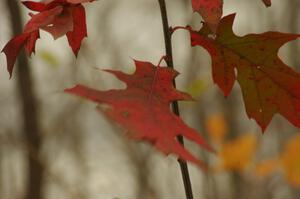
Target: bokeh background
[57, 146]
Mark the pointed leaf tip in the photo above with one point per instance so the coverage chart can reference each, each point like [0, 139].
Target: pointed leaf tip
[12, 49]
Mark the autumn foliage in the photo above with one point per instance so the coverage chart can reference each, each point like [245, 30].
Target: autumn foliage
[58, 17]
[268, 85]
[143, 108]
[240, 154]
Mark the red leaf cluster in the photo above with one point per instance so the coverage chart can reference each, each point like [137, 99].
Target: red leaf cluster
[58, 17]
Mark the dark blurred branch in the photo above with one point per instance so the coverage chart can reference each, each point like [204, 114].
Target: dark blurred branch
[19, 144]
[169, 60]
[29, 108]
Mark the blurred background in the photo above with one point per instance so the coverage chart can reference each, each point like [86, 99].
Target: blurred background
[57, 146]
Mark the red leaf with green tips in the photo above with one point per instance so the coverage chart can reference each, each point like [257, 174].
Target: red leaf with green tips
[269, 86]
[143, 108]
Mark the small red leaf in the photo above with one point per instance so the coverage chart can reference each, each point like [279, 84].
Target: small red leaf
[143, 108]
[79, 28]
[12, 49]
[210, 10]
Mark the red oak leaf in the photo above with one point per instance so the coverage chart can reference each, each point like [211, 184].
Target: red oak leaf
[268, 3]
[143, 108]
[268, 85]
[58, 17]
[210, 10]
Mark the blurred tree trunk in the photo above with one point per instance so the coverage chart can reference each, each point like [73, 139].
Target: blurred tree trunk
[29, 110]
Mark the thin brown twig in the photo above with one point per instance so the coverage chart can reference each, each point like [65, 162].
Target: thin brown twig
[175, 107]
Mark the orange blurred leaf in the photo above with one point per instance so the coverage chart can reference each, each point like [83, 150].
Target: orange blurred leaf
[237, 154]
[267, 167]
[216, 127]
[290, 160]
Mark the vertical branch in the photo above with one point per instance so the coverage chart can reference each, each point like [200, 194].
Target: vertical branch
[169, 60]
[29, 109]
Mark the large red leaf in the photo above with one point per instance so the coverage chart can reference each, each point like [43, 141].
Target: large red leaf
[143, 108]
[58, 17]
[210, 10]
[269, 86]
